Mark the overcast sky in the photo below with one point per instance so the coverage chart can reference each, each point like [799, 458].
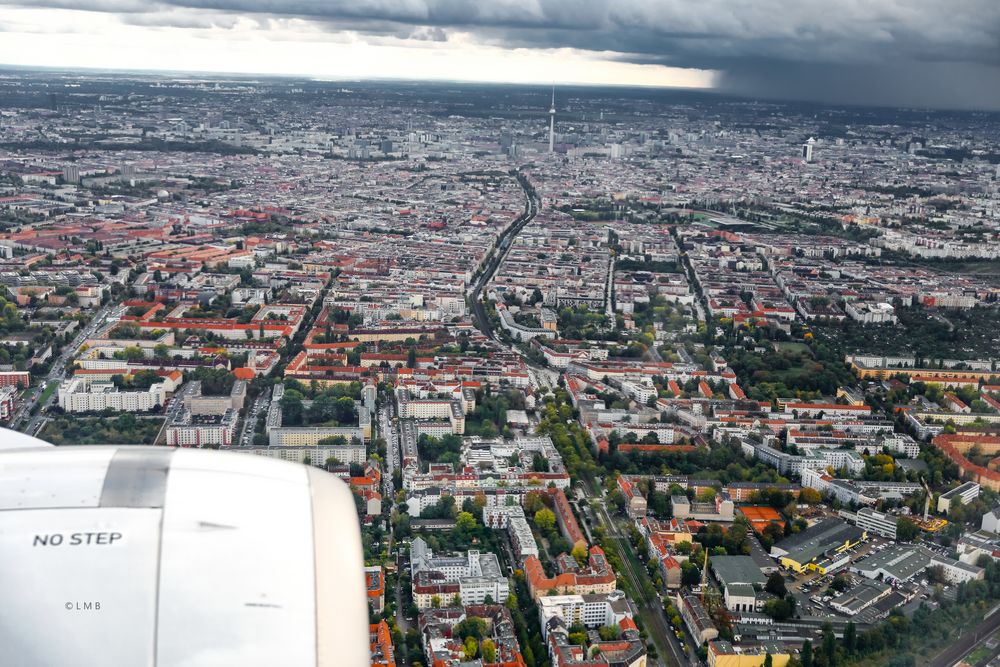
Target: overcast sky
[941, 53]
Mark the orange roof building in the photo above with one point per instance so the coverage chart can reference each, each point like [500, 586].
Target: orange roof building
[375, 580]
[565, 518]
[380, 644]
[955, 446]
[597, 577]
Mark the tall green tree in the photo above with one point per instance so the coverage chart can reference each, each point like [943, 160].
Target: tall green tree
[488, 650]
[545, 519]
[471, 648]
[829, 646]
[850, 638]
[807, 654]
[465, 522]
[776, 585]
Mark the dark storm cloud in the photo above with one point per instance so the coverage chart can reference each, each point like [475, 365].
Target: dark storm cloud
[933, 52]
[924, 84]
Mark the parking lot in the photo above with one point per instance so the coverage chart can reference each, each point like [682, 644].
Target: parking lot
[258, 408]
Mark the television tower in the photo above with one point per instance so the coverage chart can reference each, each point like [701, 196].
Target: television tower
[552, 122]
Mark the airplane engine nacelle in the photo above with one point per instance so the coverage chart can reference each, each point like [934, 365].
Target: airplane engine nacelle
[155, 555]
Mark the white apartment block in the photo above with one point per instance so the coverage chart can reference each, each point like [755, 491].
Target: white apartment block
[8, 402]
[499, 516]
[816, 459]
[428, 408]
[848, 459]
[519, 331]
[475, 590]
[871, 313]
[664, 432]
[592, 610]
[638, 391]
[966, 492]
[478, 574]
[522, 539]
[189, 431]
[957, 572]
[309, 436]
[434, 428]
[512, 518]
[316, 455]
[79, 395]
[902, 444]
[876, 522]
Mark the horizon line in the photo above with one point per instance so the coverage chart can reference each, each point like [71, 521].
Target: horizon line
[708, 90]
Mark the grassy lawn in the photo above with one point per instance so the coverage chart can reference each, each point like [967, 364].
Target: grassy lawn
[49, 390]
[791, 346]
[981, 654]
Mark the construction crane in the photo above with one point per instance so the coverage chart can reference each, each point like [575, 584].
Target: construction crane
[711, 598]
[704, 577]
[927, 500]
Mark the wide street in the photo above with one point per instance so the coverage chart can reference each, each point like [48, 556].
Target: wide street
[503, 244]
[392, 454]
[57, 373]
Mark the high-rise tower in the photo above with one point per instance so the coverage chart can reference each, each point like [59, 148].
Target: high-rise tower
[807, 150]
[552, 122]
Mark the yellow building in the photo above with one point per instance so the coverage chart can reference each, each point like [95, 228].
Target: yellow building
[852, 396]
[723, 654]
[949, 377]
[791, 564]
[821, 563]
[817, 547]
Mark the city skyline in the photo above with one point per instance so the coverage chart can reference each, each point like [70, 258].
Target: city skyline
[909, 53]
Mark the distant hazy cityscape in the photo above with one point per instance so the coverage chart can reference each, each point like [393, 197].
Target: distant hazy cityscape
[618, 377]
